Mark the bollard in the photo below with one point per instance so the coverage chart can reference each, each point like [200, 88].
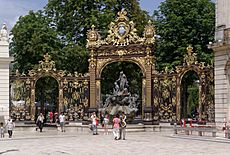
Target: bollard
[175, 128]
[199, 133]
[214, 134]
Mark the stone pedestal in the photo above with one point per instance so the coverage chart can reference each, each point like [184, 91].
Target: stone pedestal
[148, 115]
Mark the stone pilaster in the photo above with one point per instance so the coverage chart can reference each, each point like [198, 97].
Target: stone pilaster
[5, 60]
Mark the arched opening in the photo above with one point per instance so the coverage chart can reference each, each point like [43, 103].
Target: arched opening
[190, 95]
[110, 76]
[46, 95]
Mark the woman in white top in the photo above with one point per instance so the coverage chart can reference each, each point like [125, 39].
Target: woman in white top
[94, 123]
[9, 126]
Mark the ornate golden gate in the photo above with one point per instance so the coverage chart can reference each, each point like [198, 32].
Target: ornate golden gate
[73, 91]
[121, 44]
[161, 91]
[167, 90]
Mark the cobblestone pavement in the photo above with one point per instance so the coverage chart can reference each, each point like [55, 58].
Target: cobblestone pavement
[84, 143]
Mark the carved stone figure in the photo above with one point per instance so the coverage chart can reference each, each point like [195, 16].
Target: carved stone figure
[123, 82]
[121, 100]
[3, 33]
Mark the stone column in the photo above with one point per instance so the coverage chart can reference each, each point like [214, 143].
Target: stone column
[92, 82]
[60, 101]
[98, 90]
[178, 100]
[5, 60]
[32, 104]
[148, 85]
[148, 109]
[143, 96]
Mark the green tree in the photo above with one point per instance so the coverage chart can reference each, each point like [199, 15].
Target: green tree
[32, 38]
[60, 29]
[73, 18]
[180, 23]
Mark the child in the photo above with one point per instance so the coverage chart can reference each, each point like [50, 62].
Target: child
[2, 130]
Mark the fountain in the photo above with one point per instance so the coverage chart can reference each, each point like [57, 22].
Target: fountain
[121, 100]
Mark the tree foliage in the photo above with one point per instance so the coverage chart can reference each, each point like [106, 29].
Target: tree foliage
[72, 19]
[190, 94]
[32, 38]
[60, 29]
[180, 23]
[112, 71]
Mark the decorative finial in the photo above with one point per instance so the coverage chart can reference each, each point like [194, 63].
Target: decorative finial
[122, 15]
[93, 26]
[149, 33]
[190, 49]
[149, 22]
[46, 57]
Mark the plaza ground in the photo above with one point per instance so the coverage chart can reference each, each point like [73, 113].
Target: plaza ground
[52, 142]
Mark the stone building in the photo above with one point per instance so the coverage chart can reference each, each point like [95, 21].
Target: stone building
[5, 60]
[221, 48]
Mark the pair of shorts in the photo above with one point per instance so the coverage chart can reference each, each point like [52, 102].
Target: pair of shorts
[62, 123]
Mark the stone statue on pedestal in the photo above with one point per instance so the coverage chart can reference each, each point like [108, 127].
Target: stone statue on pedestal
[3, 33]
[121, 100]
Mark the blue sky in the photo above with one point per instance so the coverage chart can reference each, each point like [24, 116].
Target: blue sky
[11, 10]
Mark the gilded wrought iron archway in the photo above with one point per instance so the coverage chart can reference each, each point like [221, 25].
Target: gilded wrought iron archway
[167, 90]
[121, 44]
[76, 86]
[161, 91]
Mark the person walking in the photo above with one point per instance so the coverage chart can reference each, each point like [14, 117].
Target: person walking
[62, 122]
[106, 123]
[40, 121]
[10, 125]
[94, 120]
[123, 126]
[116, 126]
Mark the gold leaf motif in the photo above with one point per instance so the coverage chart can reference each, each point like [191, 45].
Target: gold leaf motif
[149, 33]
[122, 32]
[47, 64]
[190, 58]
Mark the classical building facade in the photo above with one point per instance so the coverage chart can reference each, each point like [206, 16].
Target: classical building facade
[221, 48]
[5, 60]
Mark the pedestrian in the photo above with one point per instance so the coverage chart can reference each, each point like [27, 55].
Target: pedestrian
[106, 123]
[2, 130]
[51, 115]
[123, 126]
[10, 125]
[102, 119]
[62, 122]
[40, 121]
[116, 126]
[94, 120]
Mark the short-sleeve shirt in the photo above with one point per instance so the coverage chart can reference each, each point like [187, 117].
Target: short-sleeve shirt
[62, 118]
[116, 122]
